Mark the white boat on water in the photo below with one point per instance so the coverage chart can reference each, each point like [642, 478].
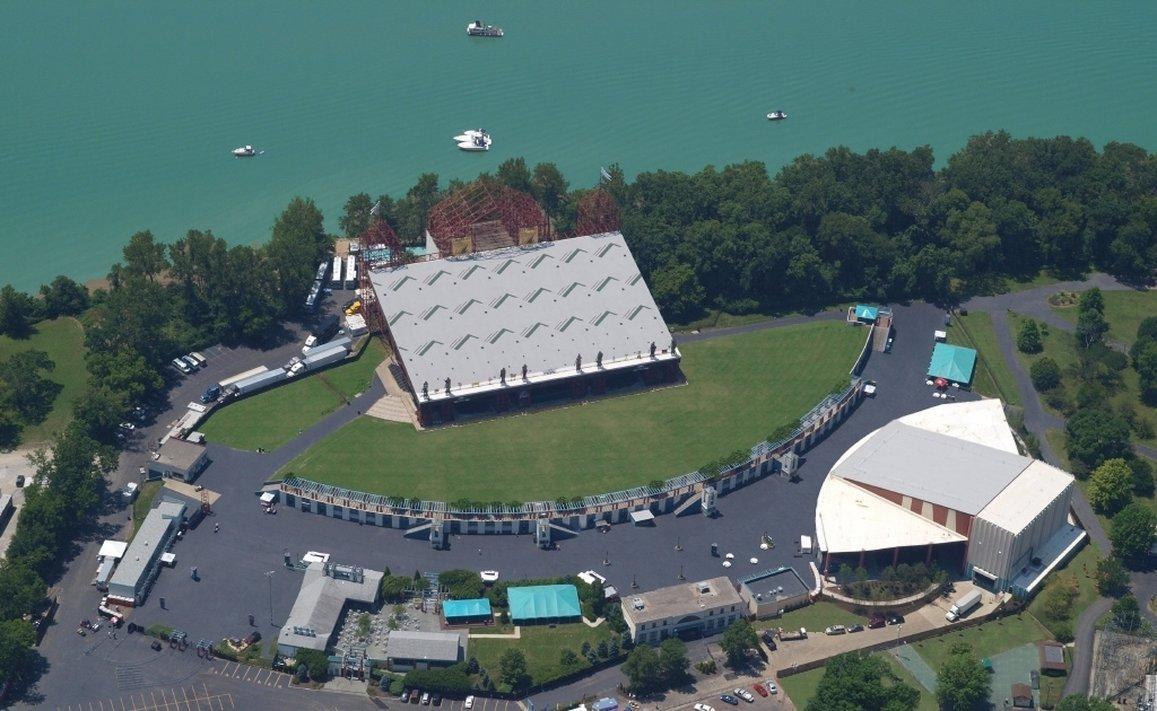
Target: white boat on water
[470, 135]
[777, 116]
[245, 152]
[480, 29]
[476, 144]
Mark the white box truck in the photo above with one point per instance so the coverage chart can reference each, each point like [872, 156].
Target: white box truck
[966, 602]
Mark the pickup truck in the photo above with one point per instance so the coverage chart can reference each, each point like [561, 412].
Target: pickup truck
[790, 635]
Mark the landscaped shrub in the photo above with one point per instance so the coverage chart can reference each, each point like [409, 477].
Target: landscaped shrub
[1045, 373]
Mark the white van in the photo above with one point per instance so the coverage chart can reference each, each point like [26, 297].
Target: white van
[181, 365]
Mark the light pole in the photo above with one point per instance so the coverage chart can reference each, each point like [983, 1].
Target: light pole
[269, 577]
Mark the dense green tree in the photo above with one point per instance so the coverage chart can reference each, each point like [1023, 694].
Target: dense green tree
[861, 682]
[143, 257]
[1146, 332]
[1111, 486]
[1127, 613]
[394, 587]
[1142, 471]
[677, 292]
[24, 389]
[1078, 702]
[17, 311]
[1096, 435]
[643, 671]
[356, 215]
[461, 584]
[972, 234]
[1028, 337]
[549, 187]
[1111, 577]
[316, 663]
[1131, 533]
[513, 670]
[64, 297]
[738, 640]
[962, 682]
[513, 173]
[1045, 374]
[21, 591]
[673, 661]
[16, 655]
[296, 247]
[1146, 364]
[1091, 323]
[99, 410]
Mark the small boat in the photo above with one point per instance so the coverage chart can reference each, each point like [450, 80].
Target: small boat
[478, 143]
[470, 135]
[477, 29]
[245, 152]
[777, 116]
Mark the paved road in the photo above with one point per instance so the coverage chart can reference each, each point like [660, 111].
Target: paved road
[1078, 680]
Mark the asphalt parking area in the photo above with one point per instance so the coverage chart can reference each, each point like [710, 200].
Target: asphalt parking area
[179, 698]
[253, 675]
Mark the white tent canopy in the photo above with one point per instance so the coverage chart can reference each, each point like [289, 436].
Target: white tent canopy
[642, 516]
[113, 549]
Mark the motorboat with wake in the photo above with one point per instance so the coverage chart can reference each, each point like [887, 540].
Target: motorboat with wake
[478, 29]
[476, 144]
[470, 135]
[245, 152]
[777, 116]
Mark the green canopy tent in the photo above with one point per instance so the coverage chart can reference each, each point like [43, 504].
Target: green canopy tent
[953, 363]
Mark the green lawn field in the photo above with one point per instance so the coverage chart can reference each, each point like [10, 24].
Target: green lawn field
[1124, 310]
[992, 378]
[272, 418]
[63, 340]
[739, 389]
[543, 647]
[1078, 571]
[986, 639]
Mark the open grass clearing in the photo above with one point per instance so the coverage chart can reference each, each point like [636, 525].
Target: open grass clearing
[739, 389]
[1124, 310]
[993, 377]
[1078, 572]
[1062, 347]
[814, 618]
[272, 418]
[63, 340]
[543, 646]
[986, 639]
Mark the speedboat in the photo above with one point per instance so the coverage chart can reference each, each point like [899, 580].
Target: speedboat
[470, 135]
[245, 152]
[477, 29]
[777, 116]
[478, 143]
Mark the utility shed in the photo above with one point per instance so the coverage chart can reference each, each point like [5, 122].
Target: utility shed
[178, 459]
[953, 363]
[421, 650]
[1052, 657]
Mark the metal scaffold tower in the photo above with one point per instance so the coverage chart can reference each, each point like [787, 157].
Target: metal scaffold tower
[485, 215]
[597, 213]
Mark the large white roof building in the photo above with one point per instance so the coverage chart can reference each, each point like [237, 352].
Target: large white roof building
[950, 474]
[550, 308]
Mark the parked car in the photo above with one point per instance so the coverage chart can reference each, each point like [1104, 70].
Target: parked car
[130, 491]
[836, 629]
[436, 699]
[856, 628]
[469, 702]
[425, 698]
[729, 699]
[405, 697]
[771, 687]
[703, 707]
[199, 359]
[760, 689]
[193, 365]
[127, 426]
[894, 618]
[181, 365]
[19, 481]
[876, 621]
[745, 695]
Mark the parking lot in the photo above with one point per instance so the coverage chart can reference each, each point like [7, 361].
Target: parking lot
[180, 698]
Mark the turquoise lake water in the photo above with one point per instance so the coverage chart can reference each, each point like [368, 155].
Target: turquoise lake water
[119, 116]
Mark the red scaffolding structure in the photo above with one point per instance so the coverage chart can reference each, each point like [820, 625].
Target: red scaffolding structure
[597, 213]
[485, 215]
[379, 248]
